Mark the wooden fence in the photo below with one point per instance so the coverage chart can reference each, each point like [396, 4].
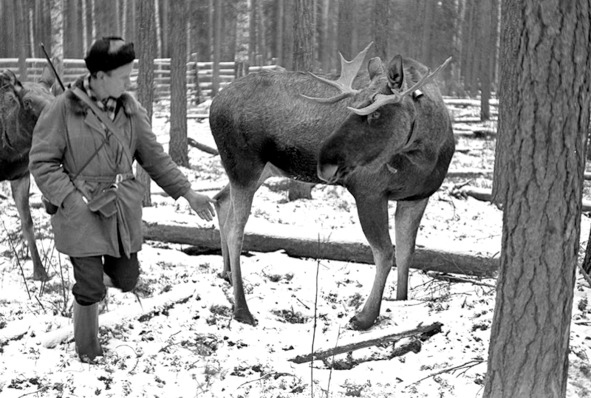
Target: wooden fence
[201, 72]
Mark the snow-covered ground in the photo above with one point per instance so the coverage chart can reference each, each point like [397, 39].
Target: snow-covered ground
[179, 339]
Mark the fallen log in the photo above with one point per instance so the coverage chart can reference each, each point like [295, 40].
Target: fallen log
[202, 147]
[485, 195]
[260, 236]
[469, 173]
[149, 308]
[462, 102]
[421, 332]
[476, 132]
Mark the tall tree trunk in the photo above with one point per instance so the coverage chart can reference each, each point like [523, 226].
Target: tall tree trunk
[146, 36]
[31, 32]
[303, 60]
[215, 86]
[280, 29]
[303, 51]
[73, 47]
[252, 34]
[105, 12]
[242, 38]
[129, 19]
[164, 28]
[158, 28]
[429, 11]
[528, 351]
[261, 35]
[508, 79]
[21, 40]
[178, 146]
[288, 39]
[346, 26]
[84, 8]
[57, 35]
[486, 57]
[324, 39]
[380, 23]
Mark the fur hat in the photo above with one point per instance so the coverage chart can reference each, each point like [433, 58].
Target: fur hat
[109, 53]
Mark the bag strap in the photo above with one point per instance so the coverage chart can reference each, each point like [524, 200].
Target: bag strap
[106, 121]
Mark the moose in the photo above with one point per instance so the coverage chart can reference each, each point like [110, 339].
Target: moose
[389, 138]
[20, 107]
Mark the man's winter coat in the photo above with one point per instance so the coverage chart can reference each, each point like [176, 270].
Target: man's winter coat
[65, 138]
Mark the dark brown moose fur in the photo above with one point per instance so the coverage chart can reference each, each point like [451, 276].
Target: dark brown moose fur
[401, 151]
[20, 107]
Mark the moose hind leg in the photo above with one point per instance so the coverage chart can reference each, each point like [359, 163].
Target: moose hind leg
[406, 224]
[223, 209]
[20, 192]
[234, 229]
[373, 216]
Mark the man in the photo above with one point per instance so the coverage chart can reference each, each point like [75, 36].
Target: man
[81, 159]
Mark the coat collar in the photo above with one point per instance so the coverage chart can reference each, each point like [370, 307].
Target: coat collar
[128, 102]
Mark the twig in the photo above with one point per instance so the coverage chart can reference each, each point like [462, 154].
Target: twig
[275, 375]
[315, 324]
[332, 364]
[40, 303]
[466, 366]
[449, 278]
[42, 389]
[302, 303]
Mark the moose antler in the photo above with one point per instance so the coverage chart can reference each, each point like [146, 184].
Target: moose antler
[382, 99]
[344, 83]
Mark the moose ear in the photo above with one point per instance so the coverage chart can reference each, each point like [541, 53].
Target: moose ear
[395, 73]
[375, 67]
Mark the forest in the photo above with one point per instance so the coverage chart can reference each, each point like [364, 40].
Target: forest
[521, 330]
[261, 32]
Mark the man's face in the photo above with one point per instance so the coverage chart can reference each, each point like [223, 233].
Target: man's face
[116, 81]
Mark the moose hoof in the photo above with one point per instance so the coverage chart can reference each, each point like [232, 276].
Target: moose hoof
[244, 316]
[225, 275]
[359, 322]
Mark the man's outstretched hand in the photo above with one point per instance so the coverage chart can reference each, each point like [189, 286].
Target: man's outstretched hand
[201, 204]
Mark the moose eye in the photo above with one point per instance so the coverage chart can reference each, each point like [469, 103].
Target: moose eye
[373, 117]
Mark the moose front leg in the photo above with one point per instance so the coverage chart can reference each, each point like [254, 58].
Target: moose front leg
[373, 216]
[20, 193]
[406, 224]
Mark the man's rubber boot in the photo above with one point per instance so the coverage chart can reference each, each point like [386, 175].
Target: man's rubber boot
[86, 332]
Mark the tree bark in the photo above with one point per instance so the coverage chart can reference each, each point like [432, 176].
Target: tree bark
[288, 36]
[57, 35]
[178, 147]
[429, 10]
[217, 38]
[146, 36]
[303, 57]
[380, 31]
[486, 57]
[528, 352]
[508, 52]
[345, 29]
[21, 40]
[242, 38]
[252, 29]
